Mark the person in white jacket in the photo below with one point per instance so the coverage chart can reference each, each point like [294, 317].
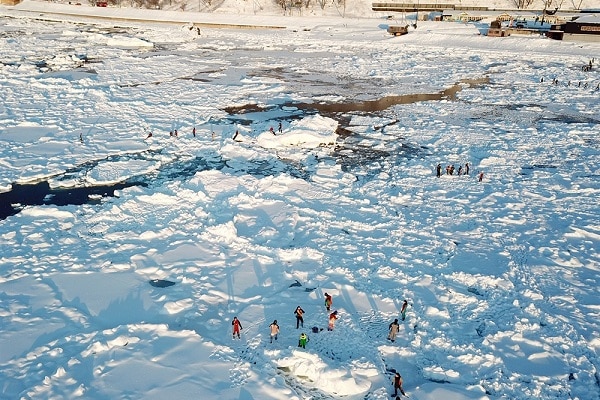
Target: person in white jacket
[274, 327]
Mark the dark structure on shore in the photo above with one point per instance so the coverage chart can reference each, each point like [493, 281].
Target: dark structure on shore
[582, 28]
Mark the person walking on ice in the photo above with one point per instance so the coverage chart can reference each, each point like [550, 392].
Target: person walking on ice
[303, 340]
[299, 317]
[274, 330]
[328, 301]
[403, 310]
[394, 328]
[398, 385]
[237, 327]
[332, 317]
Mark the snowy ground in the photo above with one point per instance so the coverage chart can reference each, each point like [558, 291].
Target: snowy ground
[501, 276]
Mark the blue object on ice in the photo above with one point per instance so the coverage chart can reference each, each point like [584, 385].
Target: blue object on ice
[161, 283]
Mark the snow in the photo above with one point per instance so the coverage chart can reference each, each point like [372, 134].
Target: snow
[501, 275]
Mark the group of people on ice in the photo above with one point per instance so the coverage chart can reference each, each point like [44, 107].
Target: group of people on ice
[395, 325]
[175, 133]
[299, 313]
[450, 170]
[274, 329]
[303, 339]
[587, 67]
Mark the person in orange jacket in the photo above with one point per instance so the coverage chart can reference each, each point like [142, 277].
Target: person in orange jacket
[332, 317]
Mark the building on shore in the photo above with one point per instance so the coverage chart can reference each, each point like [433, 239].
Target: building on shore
[585, 27]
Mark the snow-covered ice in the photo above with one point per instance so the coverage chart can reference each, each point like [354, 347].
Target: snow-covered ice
[501, 275]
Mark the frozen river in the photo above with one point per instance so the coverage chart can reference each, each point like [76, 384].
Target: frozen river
[501, 275]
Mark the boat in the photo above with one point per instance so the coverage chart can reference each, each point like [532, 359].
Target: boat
[397, 30]
[496, 29]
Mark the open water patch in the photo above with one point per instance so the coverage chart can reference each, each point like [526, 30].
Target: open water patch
[383, 103]
[352, 150]
[161, 283]
[22, 195]
[41, 193]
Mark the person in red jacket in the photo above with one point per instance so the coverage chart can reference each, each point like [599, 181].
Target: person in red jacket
[332, 317]
[237, 327]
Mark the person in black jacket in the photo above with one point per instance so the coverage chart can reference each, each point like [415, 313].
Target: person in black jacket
[299, 317]
[398, 384]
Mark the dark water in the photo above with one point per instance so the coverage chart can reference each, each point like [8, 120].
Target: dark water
[12, 202]
[41, 193]
[389, 101]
